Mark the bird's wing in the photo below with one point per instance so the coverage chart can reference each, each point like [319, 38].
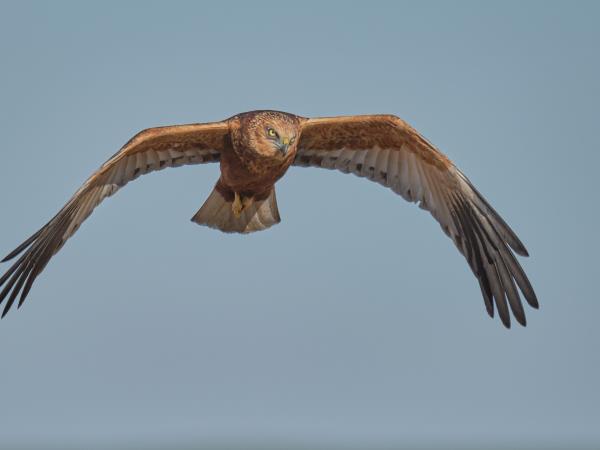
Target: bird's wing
[388, 151]
[150, 150]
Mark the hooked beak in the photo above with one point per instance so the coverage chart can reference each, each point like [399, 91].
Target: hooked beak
[284, 144]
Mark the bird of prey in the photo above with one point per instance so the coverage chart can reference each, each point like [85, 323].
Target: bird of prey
[255, 149]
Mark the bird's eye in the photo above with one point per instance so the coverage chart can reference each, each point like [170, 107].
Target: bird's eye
[292, 140]
[271, 132]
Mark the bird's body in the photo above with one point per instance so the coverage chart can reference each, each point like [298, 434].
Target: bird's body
[255, 150]
[254, 166]
[250, 167]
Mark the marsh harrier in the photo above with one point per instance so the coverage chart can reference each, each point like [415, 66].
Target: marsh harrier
[256, 148]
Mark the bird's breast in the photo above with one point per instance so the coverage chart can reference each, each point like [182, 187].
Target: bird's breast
[246, 170]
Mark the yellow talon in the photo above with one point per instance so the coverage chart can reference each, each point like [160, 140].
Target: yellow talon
[236, 206]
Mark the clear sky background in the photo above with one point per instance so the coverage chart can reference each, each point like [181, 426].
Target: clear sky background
[355, 322]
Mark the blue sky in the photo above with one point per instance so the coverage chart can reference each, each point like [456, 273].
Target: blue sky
[353, 322]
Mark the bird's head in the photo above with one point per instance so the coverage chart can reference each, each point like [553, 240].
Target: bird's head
[271, 133]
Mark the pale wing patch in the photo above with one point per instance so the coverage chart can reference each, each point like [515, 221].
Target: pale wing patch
[463, 214]
[127, 169]
[149, 151]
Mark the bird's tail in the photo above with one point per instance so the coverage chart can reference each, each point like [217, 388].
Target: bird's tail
[257, 214]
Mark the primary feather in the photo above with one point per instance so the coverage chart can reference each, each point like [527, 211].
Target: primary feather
[388, 151]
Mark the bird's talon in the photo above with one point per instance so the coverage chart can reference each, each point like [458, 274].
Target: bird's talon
[236, 206]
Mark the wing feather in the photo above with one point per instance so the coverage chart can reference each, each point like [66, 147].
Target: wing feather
[388, 151]
[150, 150]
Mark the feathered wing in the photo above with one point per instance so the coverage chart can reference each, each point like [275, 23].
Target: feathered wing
[150, 150]
[388, 151]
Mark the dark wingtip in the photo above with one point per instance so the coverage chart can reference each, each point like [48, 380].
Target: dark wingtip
[531, 297]
[7, 306]
[503, 321]
[503, 309]
[521, 319]
[521, 251]
[514, 242]
[490, 310]
[10, 256]
[21, 247]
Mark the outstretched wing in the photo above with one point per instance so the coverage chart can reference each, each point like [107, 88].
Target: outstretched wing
[386, 150]
[150, 150]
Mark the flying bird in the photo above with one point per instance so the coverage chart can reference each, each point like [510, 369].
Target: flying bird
[255, 149]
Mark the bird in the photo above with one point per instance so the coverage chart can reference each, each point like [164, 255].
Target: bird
[256, 148]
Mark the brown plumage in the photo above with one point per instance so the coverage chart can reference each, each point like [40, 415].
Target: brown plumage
[255, 149]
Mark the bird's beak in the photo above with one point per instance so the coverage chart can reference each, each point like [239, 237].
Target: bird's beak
[284, 144]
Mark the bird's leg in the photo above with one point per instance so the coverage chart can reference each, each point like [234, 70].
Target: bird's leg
[237, 206]
[247, 201]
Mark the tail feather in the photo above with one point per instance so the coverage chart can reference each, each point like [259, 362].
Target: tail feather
[217, 212]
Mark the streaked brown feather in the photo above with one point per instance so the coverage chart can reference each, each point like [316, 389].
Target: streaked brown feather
[150, 150]
[385, 149]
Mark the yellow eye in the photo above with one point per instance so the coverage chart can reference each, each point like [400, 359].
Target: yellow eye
[271, 132]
